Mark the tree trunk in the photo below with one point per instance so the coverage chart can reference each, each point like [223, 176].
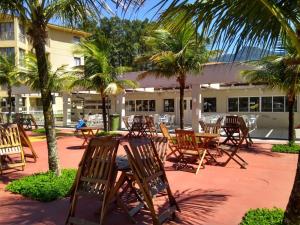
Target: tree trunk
[181, 101]
[104, 114]
[10, 103]
[291, 132]
[39, 34]
[292, 213]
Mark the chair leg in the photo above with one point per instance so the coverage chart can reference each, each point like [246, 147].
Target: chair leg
[201, 160]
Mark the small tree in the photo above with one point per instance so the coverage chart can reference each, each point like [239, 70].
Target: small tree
[175, 55]
[9, 76]
[98, 74]
[278, 73]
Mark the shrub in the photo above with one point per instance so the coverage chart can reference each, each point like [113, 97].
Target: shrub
[44, 187]
[43, 131]
[263, 217]
[107, 133]
[285, 148]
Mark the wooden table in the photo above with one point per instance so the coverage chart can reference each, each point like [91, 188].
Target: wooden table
[87, 133]
[205, 139]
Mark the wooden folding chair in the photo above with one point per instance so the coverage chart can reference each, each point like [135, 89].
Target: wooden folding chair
[95, 177]
[150, 126]
[244, 130]
[187, 143]
[161, 145]
[11, 150]
[2, 118]
[27, 143]
[150, 176]
[172, 141]
[128, 126]
[138, 127]
[231, 128]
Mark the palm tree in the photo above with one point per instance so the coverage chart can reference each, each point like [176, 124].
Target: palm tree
[9, 76]
[36, 15]
[98, 74]
[175, 55]
[60, 79]
[276, 74]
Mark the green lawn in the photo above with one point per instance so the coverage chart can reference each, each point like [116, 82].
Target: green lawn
[285, 148]
[263, 217]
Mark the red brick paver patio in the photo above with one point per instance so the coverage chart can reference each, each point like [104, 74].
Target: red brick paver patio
[216, 196]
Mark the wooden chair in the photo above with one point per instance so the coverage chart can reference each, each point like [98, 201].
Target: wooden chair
[95, 177]
[161, 145]
[11, 150]
[232, 130]
[127, 125]
[150, 126]
[187, 143]
[26, 120]
[150, 176]
[138, 127]
[2, 118]
[27, 143]
[172, 141]
[245, 135]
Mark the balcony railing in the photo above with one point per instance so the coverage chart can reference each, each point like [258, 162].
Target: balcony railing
[22, 38]
[7, 36]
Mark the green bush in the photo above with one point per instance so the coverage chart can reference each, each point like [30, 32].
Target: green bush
[43, 131]
[263, 217]
[285, 148]
[107, 133]
[44, 187]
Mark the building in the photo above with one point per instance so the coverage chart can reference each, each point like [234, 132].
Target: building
[218, 90]
[59, 47]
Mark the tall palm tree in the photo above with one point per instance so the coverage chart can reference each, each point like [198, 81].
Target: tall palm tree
[36, 14]
[60, 80]
[98, 74]
[9, 77]
[276, 74]
[175, 55]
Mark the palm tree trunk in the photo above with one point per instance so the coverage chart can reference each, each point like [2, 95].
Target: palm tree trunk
[181, 100]
[9, 91]
[291, 132]
[292, 213]
[104, 113]
[49, 123]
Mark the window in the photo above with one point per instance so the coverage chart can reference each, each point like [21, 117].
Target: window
[8, 52]
[233, 104]
[152, 107]
[77, 61]
[22, 36]
[76, 39]
[254, 104]
[21, 57]
[266, 104]
[7, 31]
[168, 105]
[210, 104]
[243, 104]
[130, 106]
[278, 104]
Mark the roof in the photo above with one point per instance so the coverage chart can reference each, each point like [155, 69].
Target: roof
[212, 73]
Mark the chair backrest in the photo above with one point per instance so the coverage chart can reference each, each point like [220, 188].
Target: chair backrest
[165, 132]
[243, 125]
[97, 169]
[146, 164]
[126, 122]
[10, 140]
[231, 120]
[150, 121]
[186, 139]
[2, 118]
[203, 126]
[161, 145]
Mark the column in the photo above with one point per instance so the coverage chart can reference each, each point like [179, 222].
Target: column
[27, 104]
[120, 108]
[196, 107]
[66, 109]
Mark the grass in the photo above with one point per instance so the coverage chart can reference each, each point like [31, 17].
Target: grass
[45, 186]
[285, 148]
[106, 133]
[263, 216]
[43, 131]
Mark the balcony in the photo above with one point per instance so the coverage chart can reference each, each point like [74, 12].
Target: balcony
[22, 38]
[7, 35]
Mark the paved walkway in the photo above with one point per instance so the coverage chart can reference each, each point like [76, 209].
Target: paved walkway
[216, 196]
